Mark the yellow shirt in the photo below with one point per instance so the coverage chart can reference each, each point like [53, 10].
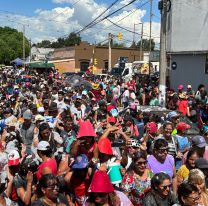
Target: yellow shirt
[183, 172]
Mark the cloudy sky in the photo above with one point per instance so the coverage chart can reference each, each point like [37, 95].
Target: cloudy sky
[50, 19]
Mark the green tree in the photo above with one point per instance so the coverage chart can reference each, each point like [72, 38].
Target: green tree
[146, 43]
[71, 40]
[11, 45]
[44, 43]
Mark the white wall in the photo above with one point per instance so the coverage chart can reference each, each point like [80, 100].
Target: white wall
[187, 28]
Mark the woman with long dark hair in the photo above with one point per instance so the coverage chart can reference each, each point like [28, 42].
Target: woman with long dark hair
[184, 170]
[160, 193]
[48, 192]
[137, 180]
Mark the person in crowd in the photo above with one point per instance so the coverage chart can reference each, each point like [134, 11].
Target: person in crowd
[173, 117]
[125, 96]
[102, 192]
[48, 192]
[188, 194]
[49, 164]
[202, 164]
[79, 179]
[27, 130]
[199, 144]
[160, 160]
[167, 135]
[197, 178]
[132, 147]
[183, 171]
[182, 141]
[137, 180]
[85, 142]
[160, 193]
[182, 104]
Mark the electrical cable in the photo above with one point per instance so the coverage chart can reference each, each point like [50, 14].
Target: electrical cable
[85, 27]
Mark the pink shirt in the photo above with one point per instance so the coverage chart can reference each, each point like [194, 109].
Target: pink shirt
[50, 163]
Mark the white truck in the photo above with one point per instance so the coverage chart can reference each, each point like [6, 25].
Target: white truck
[130, 69]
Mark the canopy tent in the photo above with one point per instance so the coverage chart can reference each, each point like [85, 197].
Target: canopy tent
[42, 65]
[17, 62]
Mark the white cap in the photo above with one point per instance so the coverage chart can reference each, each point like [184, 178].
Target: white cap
[39, 117]
[43, 146]
[41, 109]
[84, 92]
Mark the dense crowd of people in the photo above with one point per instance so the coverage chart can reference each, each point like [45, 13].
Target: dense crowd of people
[66, 145]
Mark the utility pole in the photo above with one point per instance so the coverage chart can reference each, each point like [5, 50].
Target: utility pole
[141, 42]
[30, 50]
[150, 37]
[23, 44]
[134, 33]
[109, 51]
[163, 58]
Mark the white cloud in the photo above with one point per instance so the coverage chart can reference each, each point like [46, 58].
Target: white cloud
[60, 21]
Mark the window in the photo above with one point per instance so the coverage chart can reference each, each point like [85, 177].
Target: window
[206, 64]
[84, 66]
[106, 65]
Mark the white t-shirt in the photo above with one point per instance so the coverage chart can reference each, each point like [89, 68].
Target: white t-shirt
[125, 96]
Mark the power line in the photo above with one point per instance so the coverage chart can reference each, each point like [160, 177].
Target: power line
[106, 16]
[139, 7]
[98, 16]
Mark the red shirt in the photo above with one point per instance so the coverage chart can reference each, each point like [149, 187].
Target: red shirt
[50, 163]
[182, 106]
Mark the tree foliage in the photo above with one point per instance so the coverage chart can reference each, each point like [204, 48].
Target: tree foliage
[146, 44]
[72, 40]
[11, 45]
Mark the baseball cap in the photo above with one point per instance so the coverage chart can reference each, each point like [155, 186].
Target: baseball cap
[84, 92]
[81, 162]
[13, 158]
[27, 114]
[43, 146]
[172, 114]
[152, 126]
[39, 117]
[189, 86]
[180, 87]
[201, 163]
[41, 109]
[199, 141]
[182, 126]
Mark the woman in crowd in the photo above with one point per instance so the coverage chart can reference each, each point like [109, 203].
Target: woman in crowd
[160, 193]
[160, 160]
[137, 180]
[188, 195]
[167, 135]
[48, 194]
[197, 178]
[184, 170]
[102, 192]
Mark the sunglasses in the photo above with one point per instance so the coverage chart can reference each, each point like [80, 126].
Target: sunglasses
[98, 194]
[162, 150]
[141, 163]
[165, 187]
[53, 187]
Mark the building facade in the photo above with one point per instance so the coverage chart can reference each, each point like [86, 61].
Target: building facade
[187, 45]
[79, 57]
